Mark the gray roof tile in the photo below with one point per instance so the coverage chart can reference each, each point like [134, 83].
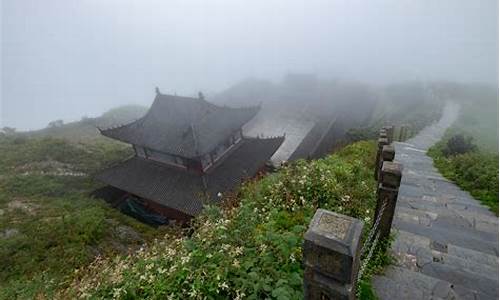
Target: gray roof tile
[183, 126]
[183, 190]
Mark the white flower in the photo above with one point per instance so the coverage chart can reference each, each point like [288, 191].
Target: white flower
[193, 293]
[236, 263]
[239, 295]
[185, 259]
[238, 250]
[117, 292]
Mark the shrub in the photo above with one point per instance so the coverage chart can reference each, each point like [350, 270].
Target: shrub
[252, 250]
[459, 144]
[474, 171]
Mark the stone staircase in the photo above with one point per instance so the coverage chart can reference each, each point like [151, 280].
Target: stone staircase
[446, 243]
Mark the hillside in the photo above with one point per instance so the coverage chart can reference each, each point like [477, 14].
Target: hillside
[251, 247]
[478, 115]
[49, 224]
[56, 241]
[51, 227]
[85, 130]
[474, 170]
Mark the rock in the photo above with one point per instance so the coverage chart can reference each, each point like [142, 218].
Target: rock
[9, 232]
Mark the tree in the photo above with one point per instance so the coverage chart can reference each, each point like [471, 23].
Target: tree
[56, 123]
[8, 130]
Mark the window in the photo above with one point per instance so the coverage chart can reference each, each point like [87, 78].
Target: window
[165, 158]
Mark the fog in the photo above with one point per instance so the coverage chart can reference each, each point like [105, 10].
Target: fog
[62, 59]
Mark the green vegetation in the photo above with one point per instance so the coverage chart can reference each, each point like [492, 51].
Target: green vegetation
[379, 260]
[471, 161]
[478, 114]
[85, 130]
[49, 224]
[248, 248]
[476, 171]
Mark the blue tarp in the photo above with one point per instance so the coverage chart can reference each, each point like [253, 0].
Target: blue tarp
[133, 207]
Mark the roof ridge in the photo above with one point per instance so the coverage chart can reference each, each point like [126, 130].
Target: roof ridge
[195, 139]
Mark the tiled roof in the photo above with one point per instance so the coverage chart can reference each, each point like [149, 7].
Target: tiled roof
[183, 126]
[187, 191]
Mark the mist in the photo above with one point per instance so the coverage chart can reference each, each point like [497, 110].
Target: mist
[65, 59]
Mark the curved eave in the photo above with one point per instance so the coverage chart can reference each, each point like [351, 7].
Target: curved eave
[120, 132]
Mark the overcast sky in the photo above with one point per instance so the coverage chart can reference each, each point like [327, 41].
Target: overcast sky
[69, 58]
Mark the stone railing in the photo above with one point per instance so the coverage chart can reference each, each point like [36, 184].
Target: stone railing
[334, 255]
[404, 132]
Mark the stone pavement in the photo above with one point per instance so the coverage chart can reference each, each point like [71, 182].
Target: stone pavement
[446, 243]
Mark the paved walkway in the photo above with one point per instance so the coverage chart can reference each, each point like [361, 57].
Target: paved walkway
[446, 243]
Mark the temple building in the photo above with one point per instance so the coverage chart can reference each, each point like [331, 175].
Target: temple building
[187, 153]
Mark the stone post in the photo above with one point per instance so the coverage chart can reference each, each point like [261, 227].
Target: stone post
[388, 154]
[405, 132]
[383, 134]
[387, 192]
[401, 133]
[390, 133]
[331, 256]
[381, 143]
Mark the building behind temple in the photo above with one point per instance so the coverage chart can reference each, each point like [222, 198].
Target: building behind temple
[187, 152]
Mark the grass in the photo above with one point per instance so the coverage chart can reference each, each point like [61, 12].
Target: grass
[380, 259]
[49, 224]
[478, 115]
[85, 131]
[249, 248]
[475, 172]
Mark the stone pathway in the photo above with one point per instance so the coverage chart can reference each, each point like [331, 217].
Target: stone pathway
[446, 243]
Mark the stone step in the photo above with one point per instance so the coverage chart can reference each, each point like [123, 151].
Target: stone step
[388, 289]
[473, 256]
[447, 223]
[471, 216]
[452, 205]
[444, 236]
[462, 277]
[480, 223]
[429, 203]
[431, 287]
[414, 252]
